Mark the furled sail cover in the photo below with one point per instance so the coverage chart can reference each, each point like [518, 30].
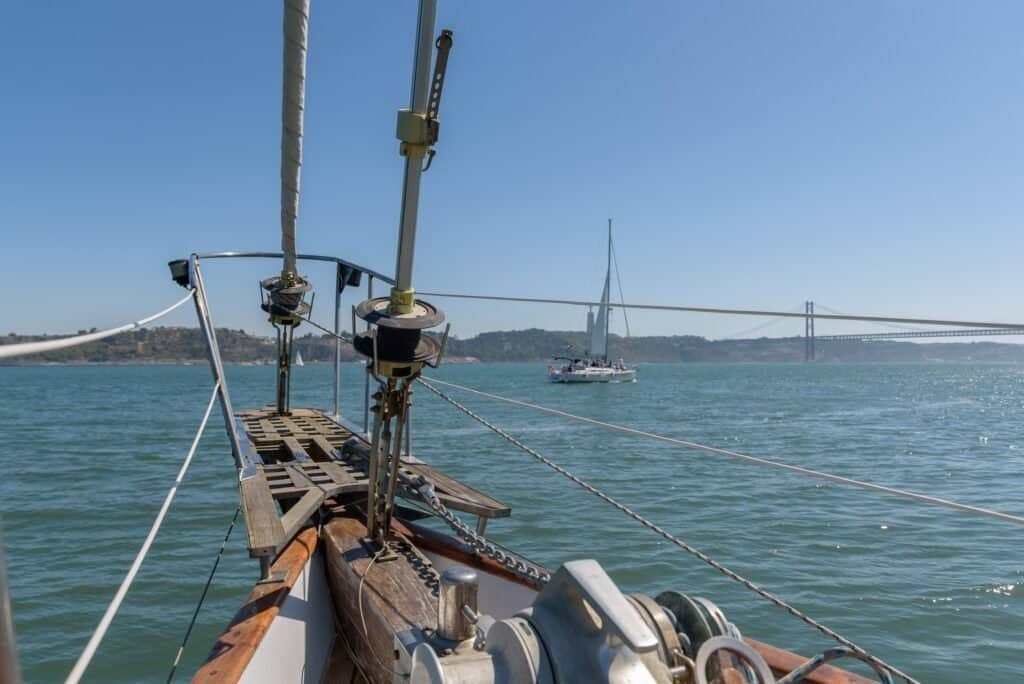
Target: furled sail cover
[296, 33]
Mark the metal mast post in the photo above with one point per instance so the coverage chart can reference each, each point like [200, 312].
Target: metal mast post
[394, 342]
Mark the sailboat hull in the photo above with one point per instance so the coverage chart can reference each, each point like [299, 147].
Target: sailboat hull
[594, 375]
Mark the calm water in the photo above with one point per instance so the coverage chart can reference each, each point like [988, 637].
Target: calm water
[91, 451]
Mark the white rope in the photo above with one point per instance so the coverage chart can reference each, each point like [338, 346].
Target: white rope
[115, 604]
[23, 348]
[923, 498]
[732, 312]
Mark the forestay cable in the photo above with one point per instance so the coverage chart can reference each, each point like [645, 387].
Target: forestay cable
[115, 603]
[732, 312]
[923, 498]
[23, 348]
[757, 589]
[202, 596]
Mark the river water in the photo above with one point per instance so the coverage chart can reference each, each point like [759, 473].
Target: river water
[91, 451]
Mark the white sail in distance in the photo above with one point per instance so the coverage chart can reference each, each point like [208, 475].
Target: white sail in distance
[599, 330]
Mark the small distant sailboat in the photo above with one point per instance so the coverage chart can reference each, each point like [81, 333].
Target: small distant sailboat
[298, 358]
[595, 367]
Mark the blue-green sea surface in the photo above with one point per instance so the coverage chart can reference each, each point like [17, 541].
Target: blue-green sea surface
[89, 453]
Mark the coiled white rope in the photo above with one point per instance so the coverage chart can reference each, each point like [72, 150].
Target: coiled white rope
[115, 603]
[23, 348]
[923, 498]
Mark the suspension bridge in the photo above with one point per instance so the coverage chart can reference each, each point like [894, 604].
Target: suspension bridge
[811, 340]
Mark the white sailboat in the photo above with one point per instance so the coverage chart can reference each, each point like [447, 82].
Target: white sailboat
[595, 366]
[298, 358]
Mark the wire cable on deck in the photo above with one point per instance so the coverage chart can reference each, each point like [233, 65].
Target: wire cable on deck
[731, 312]
[101, 630]
[757, 589]
[923, 498]
[23, 348]
[202, 597]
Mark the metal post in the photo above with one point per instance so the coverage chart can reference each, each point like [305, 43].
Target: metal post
[8, 650]
[338, 285]
[811, 339]
[413, 165]
[245, 468]
[366, 378]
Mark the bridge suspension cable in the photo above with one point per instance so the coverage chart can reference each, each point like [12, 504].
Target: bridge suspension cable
[839, 479]
[731, 312]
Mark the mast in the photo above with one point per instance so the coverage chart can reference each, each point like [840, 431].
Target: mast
[394, 344]
[607, 291]
[285, 299]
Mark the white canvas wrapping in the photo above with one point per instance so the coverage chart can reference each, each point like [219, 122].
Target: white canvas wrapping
[296, 35]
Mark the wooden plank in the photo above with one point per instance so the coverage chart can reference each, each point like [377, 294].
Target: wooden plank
[263, 527]
[292, 447]
[324, 449]
[387, 596]
[300, 513]
[234, 649]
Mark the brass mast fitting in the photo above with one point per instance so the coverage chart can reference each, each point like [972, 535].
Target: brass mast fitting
[417, 133]
[401, 301]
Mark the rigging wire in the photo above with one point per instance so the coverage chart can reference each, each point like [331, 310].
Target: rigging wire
[618, 279]
[923, 498]
[731, 312]
[760, 326]
[757, 589]
[23, 348]
[905, 328]
[202, 597]
[101, 629]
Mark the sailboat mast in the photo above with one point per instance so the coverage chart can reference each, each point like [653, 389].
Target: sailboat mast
[607, 280]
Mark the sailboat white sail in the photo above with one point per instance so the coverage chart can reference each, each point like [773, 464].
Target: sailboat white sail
[595, 367]
[298, 358]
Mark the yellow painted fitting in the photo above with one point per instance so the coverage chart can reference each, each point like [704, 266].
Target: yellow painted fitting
[402, 301]
[414, 151]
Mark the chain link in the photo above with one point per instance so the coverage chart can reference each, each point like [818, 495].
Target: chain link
[764, 593]
[419, 487]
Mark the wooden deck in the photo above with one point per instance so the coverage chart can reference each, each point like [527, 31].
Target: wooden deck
[307, 459]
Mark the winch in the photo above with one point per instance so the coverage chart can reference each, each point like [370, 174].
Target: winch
[580, 628]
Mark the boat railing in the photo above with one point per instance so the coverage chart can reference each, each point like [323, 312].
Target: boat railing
[188, 273]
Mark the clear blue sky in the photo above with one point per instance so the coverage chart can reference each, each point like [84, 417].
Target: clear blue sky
[867, 155]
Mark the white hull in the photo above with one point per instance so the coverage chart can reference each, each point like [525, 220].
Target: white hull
[594, 375]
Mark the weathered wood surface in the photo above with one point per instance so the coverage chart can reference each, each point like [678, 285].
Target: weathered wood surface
[374, 600]
[235, 647]
[263, 528]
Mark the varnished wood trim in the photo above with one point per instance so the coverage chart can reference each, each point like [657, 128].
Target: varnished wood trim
[783, 662]
[235, 647]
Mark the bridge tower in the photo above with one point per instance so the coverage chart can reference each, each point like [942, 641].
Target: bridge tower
[809, 331]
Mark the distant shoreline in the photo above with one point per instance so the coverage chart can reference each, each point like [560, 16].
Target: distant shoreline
[185, 346]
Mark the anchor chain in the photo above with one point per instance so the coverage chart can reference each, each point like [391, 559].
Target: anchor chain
[419, 487]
